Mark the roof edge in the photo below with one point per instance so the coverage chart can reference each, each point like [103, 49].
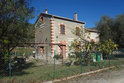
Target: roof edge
[59, 17]
[93, 30]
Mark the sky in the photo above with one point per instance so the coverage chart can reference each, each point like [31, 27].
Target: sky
[89, 11]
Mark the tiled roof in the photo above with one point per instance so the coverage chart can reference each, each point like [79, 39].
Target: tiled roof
[92, 30]
[59, 17]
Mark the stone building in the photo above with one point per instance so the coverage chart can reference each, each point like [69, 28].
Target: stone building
[52, 29]
[93, 34]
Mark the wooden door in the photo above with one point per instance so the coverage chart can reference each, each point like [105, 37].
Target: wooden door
[63, 49]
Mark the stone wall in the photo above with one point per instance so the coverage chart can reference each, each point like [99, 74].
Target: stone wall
[68, 37]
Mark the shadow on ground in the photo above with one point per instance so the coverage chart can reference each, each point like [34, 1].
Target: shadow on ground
[16, 70]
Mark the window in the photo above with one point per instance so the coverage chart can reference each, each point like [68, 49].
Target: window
[62, 29]
[41, 19]
[42, 50]
[77, 31]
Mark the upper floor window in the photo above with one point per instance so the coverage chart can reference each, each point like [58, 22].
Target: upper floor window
[62, 29]
[77, 31]
[41, 19]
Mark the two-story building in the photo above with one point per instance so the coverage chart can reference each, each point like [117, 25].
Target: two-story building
[54, 30]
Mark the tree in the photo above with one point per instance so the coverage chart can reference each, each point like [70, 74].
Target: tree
[105, 27]
[119, 24]
[79, 46]
[107, 47]
[87, 47]
[14, 26]
[112, 29]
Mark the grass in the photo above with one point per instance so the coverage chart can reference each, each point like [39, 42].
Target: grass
[33, 73]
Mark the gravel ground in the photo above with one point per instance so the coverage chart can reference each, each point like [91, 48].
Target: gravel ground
[109, 76]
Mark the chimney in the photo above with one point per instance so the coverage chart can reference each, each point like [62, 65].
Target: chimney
[46, 11]
[75, 16]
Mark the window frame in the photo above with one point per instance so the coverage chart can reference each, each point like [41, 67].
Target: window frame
[77, 31]
[41, 19]
[60, 29]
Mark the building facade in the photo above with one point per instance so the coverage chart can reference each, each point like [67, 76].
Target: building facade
[92, 34]
[54, 30]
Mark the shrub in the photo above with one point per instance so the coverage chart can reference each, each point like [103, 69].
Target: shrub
[58, 56]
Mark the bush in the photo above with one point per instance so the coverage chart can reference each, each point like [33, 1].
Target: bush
[77, 58]
[58, 56]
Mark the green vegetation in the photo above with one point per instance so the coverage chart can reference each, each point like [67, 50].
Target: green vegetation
[112, 28]
[24, 52]
[82, 50]
[58, 56]
[30, 72]
[107, 47]
[14, 26]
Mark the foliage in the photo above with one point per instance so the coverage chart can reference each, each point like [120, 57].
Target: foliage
[77, 31]
[112, 28]
[58, 56]
[23, 52]
[14, 26]
[74, 58]
[81, 48]
[87, 47]
[75, 45]
[119, 30]
[106, 47]
[104, 26]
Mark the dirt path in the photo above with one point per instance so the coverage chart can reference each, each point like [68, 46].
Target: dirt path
[115, 76]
